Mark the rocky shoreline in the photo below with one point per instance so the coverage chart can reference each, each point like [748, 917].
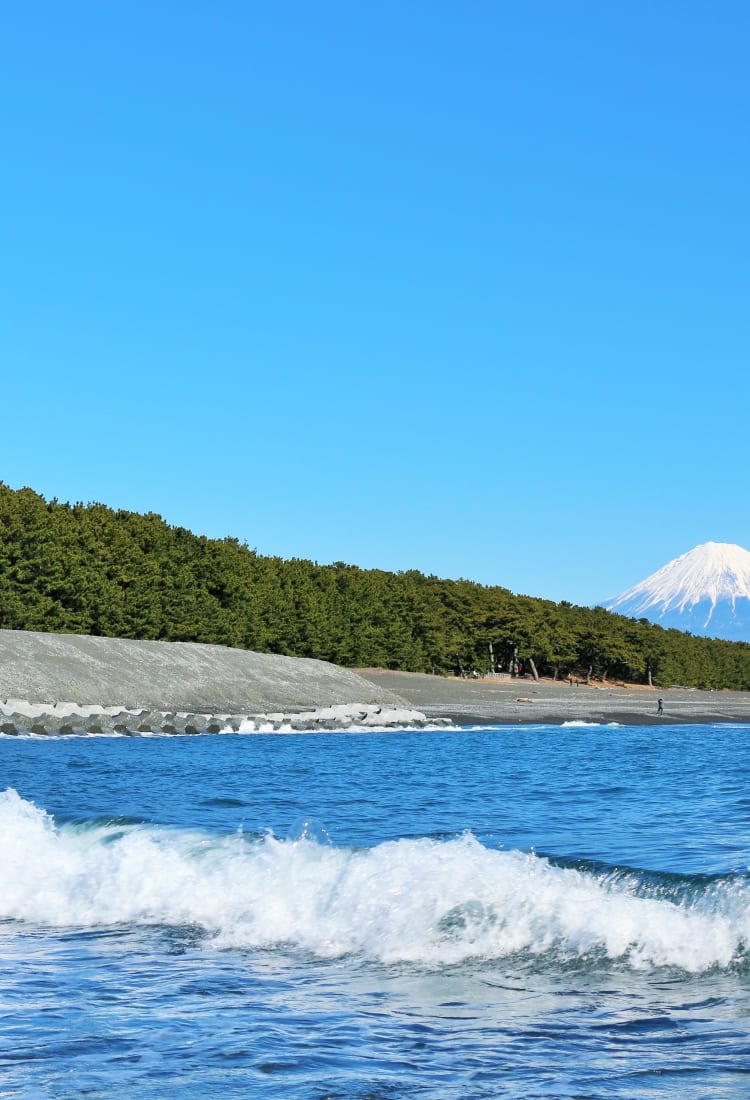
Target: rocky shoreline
[144, 688]
[19, 717]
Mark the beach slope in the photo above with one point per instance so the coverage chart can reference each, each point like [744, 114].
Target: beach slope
[510, 701]
[44, 668]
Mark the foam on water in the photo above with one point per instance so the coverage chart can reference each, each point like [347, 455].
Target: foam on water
[422, 901]
[581, 723]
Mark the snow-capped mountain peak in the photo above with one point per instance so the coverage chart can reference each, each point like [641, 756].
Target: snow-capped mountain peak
[706, 591]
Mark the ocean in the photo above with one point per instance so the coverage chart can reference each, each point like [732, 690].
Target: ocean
[535, 911]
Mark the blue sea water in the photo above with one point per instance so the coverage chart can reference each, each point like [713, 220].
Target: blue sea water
[499, 912]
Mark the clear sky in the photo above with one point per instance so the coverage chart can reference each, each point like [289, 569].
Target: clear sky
[460, 287]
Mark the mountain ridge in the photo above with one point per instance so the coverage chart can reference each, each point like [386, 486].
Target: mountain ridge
[705, 591]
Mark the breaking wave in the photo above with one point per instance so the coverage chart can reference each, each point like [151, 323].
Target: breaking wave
[424, 901]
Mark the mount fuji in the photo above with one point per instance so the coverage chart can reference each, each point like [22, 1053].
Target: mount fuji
[706, 591]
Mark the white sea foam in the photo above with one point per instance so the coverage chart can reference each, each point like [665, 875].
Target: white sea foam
[581, 722]
[423, 901]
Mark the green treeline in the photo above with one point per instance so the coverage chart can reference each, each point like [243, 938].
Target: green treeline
[87, 569]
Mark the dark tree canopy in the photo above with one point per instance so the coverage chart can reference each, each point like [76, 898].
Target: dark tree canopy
[87, 569]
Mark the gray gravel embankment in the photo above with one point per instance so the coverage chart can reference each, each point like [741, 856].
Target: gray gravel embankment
[183, 676]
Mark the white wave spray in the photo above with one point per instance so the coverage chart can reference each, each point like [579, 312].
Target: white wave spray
[421, 901]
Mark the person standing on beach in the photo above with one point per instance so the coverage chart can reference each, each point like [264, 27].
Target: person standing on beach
[660, 706]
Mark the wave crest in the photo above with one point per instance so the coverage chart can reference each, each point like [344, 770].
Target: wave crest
[424, 901]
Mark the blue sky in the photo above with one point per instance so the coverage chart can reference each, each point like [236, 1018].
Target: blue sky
[455, 287]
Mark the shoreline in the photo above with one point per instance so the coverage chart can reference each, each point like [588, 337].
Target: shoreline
[139, 686]
[524, 701]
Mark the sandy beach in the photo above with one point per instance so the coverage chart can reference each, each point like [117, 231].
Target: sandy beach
[510, 701]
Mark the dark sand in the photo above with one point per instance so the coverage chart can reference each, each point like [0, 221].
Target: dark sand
[514, 701]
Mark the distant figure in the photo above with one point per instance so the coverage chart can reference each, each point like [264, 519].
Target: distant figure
[660, 706]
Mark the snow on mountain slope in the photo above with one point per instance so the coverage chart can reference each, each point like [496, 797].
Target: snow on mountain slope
[706, 591]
